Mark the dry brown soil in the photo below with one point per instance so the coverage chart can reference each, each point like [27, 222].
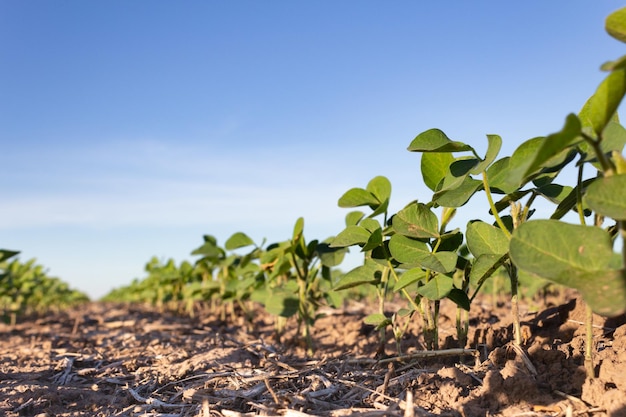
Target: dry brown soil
[116, 360]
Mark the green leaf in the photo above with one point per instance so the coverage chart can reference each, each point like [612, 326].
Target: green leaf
[607, 196]
[451, 241]
[351, 235]
[615, 24]
[458, 171]
[416, 220]
[495, 143]
[459, 298]
[380, 187]
[377, 319]
[369, 273]
[552, 249]
[520, 162]
[354, 217]
[6, 254]
[409, 277]
[460, 195]
[441, 262]
[356, 197]
[604, 291]
[282, 303]
[555, 145]
[238, 240]
[434, 140]
[298, 229]
[484, 266]
[375, 240]
[497, 176]
[370, 224]
[483, 238]
[330, 257]
[406, 250]
[554, 192]
[434, 166]
[437, 288]
[601, 107]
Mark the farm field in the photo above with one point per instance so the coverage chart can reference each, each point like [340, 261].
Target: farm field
[105, 359]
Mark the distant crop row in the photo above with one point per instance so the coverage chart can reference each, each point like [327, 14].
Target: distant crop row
[26, 288]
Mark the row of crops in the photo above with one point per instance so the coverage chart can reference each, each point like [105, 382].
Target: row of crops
[414, 254]
[25, 288]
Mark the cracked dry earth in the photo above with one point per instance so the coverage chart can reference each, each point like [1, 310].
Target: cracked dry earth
[116, 360]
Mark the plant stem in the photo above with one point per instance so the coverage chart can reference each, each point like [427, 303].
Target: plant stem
[493, 206]
[517, 330]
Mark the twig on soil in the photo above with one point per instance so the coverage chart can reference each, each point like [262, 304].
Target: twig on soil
[416, 355]
[529, 365]
[153, 402]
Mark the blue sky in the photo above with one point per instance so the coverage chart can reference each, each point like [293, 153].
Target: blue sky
[128, 129]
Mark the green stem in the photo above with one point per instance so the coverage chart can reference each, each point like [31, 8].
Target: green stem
[493, 206]
[607, 166]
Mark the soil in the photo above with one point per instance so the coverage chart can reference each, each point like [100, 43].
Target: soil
[128, 360]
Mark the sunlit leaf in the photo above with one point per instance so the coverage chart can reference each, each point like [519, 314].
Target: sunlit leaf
[434, 140]
[607, 196]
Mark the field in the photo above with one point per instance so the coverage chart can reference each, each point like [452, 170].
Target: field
[104, 359]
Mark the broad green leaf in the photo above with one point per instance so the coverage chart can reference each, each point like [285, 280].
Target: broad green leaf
[601, 107]
[406, 250]
[519, 164]
[458, 171]
[281, 303]
[370, 224]
[377, 319]
[380, 187]
[238, 240]
[351, 235]
[375, 240]
[434, 140]
[604, 291]
[483, 238]
[554, 192]
[330, 257]
[615, 24]
[484, 266]
[409, 277]
[497, 176]
[435, 166]
[356, 197]
[382, 207]
[551, 249]
[416, 220]
[607, 196]
[555, 145]
[354, 217]
[437, 288]
[460, 195]
[459, 298]
[495, 143]
[569, 202]
[451, 241]
[613, 65]
[368, 273]
[441, 262]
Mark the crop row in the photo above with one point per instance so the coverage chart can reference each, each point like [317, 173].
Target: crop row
[26, 288]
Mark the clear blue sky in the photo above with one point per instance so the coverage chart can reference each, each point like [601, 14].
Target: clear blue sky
[128, 129]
